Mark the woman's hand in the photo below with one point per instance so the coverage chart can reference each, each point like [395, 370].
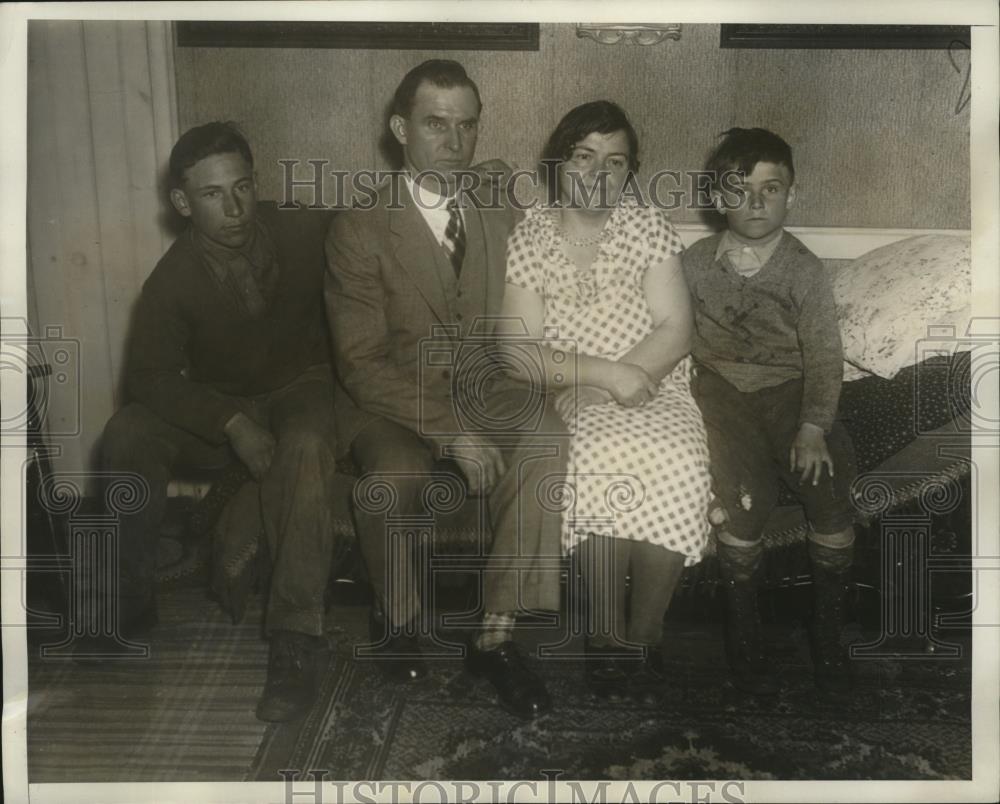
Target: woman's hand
[572, 400]
[809, 453]
[629, 385]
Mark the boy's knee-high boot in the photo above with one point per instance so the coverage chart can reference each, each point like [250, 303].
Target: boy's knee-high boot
[831, 568]
[740, 568]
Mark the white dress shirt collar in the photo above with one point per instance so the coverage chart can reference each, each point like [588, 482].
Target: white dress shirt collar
[433, 207]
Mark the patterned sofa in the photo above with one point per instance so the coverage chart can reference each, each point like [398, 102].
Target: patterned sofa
[900, 427]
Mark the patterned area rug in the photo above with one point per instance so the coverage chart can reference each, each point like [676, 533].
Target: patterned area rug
[905, 721]
[186, 713]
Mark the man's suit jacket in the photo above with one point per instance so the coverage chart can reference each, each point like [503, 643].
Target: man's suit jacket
[402, 327]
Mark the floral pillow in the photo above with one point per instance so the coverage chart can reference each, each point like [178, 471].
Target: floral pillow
[888, 298]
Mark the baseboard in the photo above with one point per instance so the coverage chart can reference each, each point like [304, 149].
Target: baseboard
[830, 242]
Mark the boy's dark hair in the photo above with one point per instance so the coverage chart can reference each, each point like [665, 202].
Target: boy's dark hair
[201, 141]
[443, 73]
[603, 117]
[742, 148]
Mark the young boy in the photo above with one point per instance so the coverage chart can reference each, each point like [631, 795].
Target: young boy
[769, 368]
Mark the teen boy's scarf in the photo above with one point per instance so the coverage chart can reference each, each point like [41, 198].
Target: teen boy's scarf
[248, 275]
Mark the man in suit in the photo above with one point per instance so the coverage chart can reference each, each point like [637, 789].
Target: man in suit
[410, 285]
[229, 361]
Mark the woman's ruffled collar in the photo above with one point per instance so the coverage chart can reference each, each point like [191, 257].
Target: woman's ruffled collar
[588, 282]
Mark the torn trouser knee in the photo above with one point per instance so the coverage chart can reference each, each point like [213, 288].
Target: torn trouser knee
[743, 509]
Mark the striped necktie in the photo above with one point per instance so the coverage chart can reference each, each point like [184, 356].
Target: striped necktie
[454, 236]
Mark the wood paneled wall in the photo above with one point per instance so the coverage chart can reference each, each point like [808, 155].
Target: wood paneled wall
[101, 120]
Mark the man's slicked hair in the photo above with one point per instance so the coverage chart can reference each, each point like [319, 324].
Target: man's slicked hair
[742, 148]
[443, 73]
[200, 142]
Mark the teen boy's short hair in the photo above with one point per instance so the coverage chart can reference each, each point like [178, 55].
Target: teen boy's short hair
[202, 141]
[742, 148]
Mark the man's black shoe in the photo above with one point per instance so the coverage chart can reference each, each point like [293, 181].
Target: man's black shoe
[397, 653]
[607, 671]
[290, 688]
[520, 691]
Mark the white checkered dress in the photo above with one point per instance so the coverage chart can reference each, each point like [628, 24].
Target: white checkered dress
[638, 473]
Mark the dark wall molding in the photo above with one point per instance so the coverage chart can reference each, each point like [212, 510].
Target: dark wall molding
[852, 37]
[375, 35]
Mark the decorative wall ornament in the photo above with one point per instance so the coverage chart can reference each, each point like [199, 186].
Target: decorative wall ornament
[631, 33]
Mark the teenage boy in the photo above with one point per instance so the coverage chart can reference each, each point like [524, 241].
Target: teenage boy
[229, 360]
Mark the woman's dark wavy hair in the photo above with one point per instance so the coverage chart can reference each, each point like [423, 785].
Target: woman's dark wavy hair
[602, 117]
[201, 141]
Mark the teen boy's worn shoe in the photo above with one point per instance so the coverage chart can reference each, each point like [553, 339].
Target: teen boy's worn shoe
[519, 690]
[290, 688]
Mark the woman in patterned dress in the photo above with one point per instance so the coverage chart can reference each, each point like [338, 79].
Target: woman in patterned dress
[595, 279]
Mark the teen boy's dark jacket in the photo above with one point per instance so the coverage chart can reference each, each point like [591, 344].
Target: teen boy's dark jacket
[192, 354]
